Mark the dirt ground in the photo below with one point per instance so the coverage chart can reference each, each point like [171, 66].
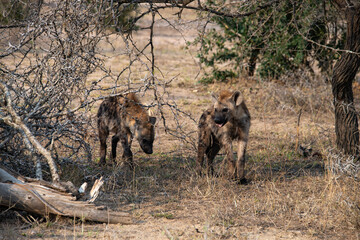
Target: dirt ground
[289, 196]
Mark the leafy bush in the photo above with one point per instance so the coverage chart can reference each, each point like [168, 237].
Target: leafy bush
[285, 37]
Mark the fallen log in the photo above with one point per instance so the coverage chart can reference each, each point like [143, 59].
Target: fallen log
[43, 198]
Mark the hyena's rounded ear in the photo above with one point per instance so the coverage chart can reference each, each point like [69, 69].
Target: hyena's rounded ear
[236, 98]
[152, 120]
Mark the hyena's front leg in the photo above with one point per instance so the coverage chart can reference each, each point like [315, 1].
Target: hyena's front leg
[240, 163]
[126, 140]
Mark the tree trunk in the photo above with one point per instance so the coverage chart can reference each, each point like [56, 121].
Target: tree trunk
[252, 61]
[346, 121]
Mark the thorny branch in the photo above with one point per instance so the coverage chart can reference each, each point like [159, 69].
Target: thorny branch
[53, 67]
[53, 62]
[220, 11]
[44, 67]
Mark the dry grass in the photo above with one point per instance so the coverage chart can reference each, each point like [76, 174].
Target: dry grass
[289, 196]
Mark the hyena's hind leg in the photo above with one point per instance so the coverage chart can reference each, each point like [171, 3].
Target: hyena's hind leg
[103, 134]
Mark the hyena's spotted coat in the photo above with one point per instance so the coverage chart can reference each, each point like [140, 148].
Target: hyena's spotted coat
[126, 118]
[227, 120]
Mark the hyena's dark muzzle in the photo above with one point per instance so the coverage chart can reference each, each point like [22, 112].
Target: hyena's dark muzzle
[145, 135]
[146, 146]
[220, 119]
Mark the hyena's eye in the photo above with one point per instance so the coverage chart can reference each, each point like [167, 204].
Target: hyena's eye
[225, 110]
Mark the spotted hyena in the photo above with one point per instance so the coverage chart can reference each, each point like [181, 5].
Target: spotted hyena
[227, 120]
[126, 118]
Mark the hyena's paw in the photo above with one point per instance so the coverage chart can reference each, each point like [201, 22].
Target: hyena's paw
[241, 181]
[200, 172]
[203, 171]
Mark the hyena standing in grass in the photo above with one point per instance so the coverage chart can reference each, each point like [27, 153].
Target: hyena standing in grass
[126, 118]
[227, 120]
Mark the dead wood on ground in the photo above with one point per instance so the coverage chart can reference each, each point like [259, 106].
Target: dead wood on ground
[44, 198]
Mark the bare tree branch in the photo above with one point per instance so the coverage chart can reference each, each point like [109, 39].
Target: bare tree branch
[16, 122]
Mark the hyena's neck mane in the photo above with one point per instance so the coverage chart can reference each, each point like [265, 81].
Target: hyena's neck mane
[131, 97]
[134, 108]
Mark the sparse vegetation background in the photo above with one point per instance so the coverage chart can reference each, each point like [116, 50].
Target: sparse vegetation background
[60, 59]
